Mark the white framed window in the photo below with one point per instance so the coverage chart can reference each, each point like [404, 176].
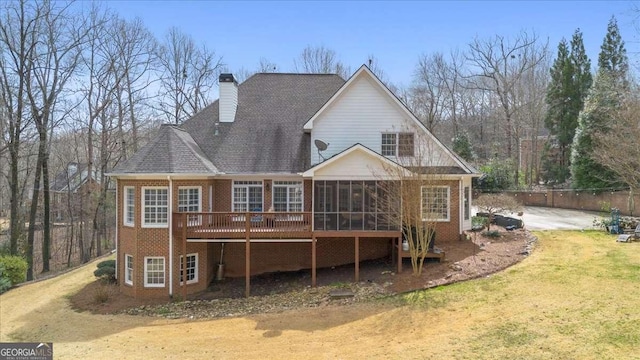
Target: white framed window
[155, 205]
[128, 269]
[190, 200]
[397, 144]
[287, 196]
[247, 196]
[154, 271]
[389, 144]
[435, 203]
[192, 269]
[129, 206]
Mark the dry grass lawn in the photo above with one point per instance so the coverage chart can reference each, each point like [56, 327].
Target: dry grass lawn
[576, 297]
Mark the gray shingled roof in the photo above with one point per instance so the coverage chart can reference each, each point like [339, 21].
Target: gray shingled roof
[72, 176]
[267, 135]
[172, 151]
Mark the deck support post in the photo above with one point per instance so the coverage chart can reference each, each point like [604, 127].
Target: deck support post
[357, 255]
[313, 260]
[183, 272]
[399, 252]
[247, 255]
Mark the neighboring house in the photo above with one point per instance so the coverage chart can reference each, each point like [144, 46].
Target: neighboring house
[276, 175]
[68, 186]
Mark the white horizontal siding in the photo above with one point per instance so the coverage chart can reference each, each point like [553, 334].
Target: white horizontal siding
[356, 165]
[228, 102]
[360, 115]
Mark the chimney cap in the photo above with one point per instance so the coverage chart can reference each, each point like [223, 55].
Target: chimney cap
[227, 77]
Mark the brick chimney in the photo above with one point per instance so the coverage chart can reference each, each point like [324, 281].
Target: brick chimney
[228, 102]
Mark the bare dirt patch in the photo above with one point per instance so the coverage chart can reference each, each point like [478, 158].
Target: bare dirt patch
[467, 259]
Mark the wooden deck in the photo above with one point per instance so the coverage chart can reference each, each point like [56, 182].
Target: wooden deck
[255, 227]
[225, 225]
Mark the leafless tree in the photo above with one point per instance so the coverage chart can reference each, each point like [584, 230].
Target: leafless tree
[499, 66]
[428, 92]
[17, 42]
[188, 75]
[136, 51]
[320, 60]
[61, 35]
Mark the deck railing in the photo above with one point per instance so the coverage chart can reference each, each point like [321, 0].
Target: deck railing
[215, 225]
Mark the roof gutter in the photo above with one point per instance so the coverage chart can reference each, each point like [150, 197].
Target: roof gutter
[162, 175]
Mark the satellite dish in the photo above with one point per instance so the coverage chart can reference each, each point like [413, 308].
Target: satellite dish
[322, 146]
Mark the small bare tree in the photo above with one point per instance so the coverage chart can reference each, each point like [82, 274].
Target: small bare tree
[496, 203]
[416, 192]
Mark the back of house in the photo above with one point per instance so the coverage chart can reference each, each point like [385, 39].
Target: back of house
[283, 172]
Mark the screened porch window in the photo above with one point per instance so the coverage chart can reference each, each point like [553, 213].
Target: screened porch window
[353, 205]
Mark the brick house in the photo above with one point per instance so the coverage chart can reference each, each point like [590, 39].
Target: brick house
[279, 174]
[70, 187]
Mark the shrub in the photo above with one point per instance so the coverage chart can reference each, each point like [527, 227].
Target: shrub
[15, 268]
[497, 175]
[107, 263]
[479, 221]
[5, 283]
[106, 273]
[491, 234]
[102, 294]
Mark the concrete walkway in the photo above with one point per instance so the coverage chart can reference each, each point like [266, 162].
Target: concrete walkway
[543, 218]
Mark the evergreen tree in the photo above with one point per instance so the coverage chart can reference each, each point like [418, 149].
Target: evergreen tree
[582, 71]
[570, 83]
[462, 146]
[560, 119]
[613, 55]
[605, 97]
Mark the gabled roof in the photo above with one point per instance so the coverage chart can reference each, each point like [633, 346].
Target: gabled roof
[172, 151]
[365, 71]
[267, 135]
[349, 152]
[72, 177]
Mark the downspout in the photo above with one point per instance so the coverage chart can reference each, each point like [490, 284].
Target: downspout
[117, 220]
[170, 215]
[461, 209]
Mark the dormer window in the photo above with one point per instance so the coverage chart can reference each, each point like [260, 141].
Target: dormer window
[397, 144]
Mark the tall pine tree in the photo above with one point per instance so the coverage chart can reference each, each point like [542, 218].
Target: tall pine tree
[566, 93]
[613, 55]
[582, 74]
[559, 117]
[604, 99]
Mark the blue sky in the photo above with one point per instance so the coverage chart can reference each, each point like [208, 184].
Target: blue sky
[396, 33]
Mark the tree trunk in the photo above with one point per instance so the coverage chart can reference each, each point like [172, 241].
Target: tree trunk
[34, 208]
[16, 226]
[46, 236]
